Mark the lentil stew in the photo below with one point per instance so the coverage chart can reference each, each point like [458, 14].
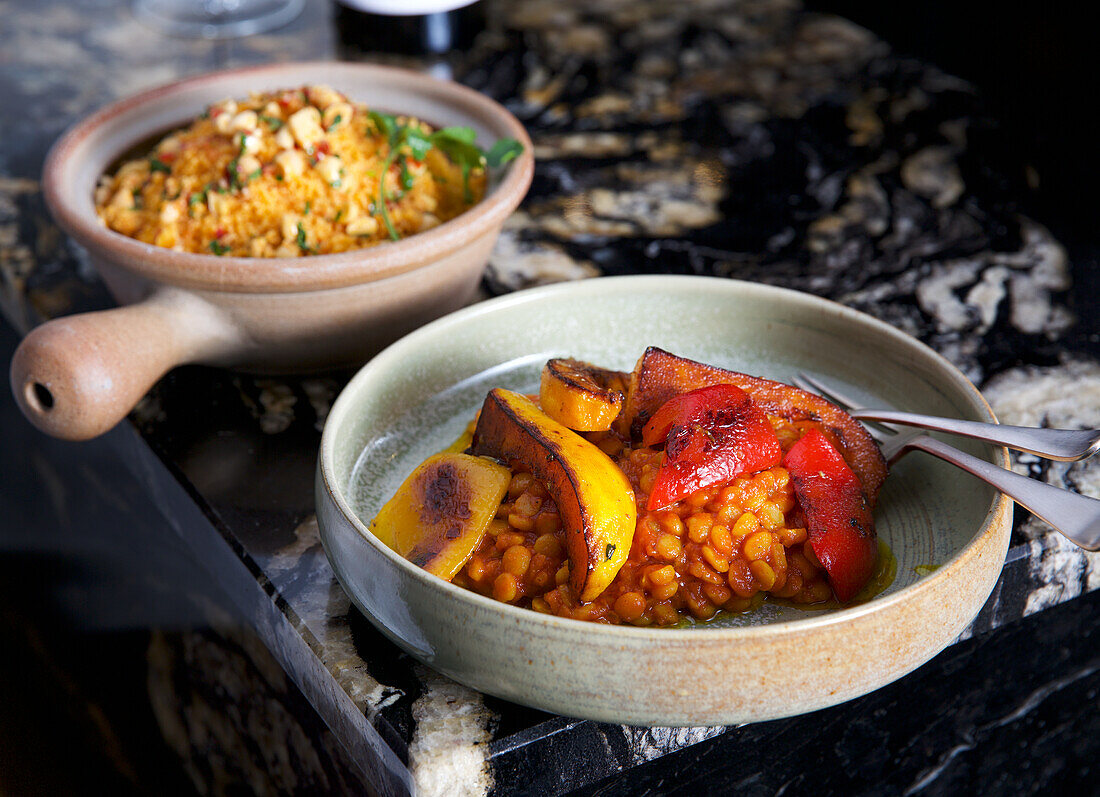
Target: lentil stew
[726, 546]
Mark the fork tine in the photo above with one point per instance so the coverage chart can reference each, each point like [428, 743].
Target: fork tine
[807, 382]
[881, 432]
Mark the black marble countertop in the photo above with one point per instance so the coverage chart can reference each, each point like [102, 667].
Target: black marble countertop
[749, 140]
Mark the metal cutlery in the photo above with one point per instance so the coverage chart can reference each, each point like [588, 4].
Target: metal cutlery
[1075, 516]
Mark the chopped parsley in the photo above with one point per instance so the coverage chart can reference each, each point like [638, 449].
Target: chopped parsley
[234, 175]
[303, 244]
[305, 212]
[273, 122]
[157, 165]
[337, 120]
[218, 248]
[195, 199]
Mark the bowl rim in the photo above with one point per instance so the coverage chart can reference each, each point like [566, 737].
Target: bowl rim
[75, 214]
[618, 634]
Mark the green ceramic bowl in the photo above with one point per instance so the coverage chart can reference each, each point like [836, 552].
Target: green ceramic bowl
[948, 531]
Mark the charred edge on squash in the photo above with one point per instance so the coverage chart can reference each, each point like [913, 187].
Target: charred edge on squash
[555, 455]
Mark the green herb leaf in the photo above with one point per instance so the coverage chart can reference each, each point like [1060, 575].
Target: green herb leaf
[337, 120]
[234, 175]
[382, 199]
[504, 150]
[306, 211]
[195, 199]
[464, 134]
[457, 143]
[406, 175]
[303, 244]
[218, 248]
[157, 165]
[386, 124]
[419, 143]
[272, 121]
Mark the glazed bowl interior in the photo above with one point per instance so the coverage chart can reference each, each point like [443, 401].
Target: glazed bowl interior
[947, 532]
[93, 146]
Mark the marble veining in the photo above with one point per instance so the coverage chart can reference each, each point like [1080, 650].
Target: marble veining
[321, 608]
[449, 752]
[1062, 396]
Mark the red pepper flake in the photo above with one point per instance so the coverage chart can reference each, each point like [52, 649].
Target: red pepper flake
[218, 233]
[323, 148]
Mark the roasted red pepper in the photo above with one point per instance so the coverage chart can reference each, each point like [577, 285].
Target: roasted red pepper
[838, 517]
[712, 435]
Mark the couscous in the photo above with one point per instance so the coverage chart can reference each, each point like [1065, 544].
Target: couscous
[290, 173]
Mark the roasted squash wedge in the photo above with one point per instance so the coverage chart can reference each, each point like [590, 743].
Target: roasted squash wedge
[577, 395]
[594, 498]
[660, 375]
[439, 516]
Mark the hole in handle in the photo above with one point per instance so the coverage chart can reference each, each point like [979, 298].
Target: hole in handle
[39, 396]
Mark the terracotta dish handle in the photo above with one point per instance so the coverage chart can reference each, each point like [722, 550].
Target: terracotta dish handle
[77, 376]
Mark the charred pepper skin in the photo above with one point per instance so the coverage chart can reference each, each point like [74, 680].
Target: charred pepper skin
[838, 516]
[712, 435]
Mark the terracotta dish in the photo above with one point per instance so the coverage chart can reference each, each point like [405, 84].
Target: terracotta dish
[947, 534]
[76, 377]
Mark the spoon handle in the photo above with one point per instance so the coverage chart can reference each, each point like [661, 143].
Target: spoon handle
[1075, 516]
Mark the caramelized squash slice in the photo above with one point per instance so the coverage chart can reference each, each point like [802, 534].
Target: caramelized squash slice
[577, 395]
[439, 516]
[594, 498]
[660, 375]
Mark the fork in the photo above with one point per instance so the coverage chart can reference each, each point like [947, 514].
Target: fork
[1075, 516]
[1066, 445]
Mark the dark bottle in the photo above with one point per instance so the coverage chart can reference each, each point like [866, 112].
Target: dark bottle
[434, 33]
